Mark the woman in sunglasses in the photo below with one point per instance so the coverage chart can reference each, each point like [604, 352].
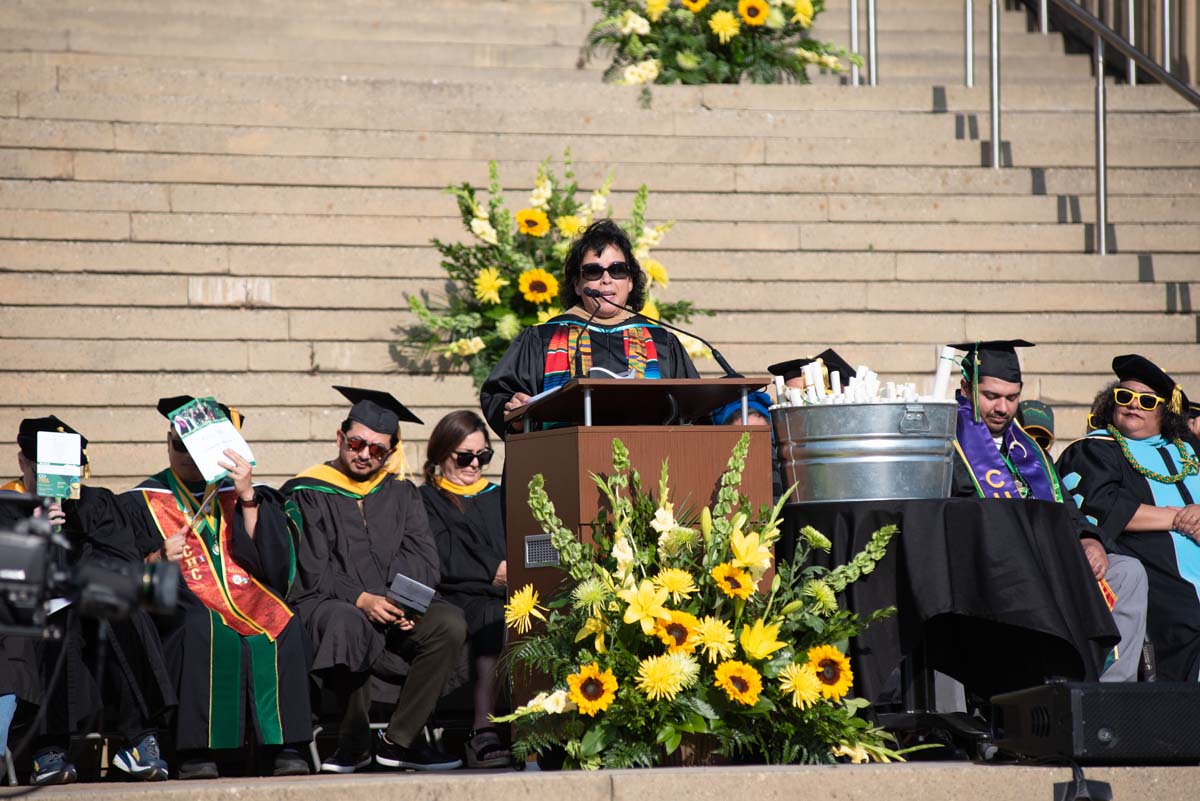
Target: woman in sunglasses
[1137, 477]
[603, 291]
[468, 526]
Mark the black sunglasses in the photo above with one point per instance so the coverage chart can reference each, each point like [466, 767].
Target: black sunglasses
[592, 271]
[374, 449]
[464, 458]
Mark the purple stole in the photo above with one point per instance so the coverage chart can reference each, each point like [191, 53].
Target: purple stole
[989, 472]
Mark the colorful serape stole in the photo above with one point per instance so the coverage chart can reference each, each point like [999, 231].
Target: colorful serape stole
[574, 339]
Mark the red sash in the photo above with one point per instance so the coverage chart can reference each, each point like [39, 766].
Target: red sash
[244, 605]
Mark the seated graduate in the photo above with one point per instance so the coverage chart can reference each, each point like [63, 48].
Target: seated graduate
[468, 526]
[236, 650]
[1140, 481]
[137, 690]
[362, 525]
[996, 458]
[593, 332]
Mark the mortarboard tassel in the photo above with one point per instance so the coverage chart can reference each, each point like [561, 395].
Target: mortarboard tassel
[1176, 404]
[397, 463]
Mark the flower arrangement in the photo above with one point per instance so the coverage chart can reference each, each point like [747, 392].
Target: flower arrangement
[668, 630]
[712, 41]
[506, 277]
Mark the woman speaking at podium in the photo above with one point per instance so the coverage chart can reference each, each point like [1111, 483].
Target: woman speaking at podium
[602, 290]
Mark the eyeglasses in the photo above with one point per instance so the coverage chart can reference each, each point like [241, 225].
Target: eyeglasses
[464, 458]
[592, 271]
[1146, 401]
[374, 449]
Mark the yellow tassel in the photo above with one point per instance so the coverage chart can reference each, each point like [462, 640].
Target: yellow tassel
[397, 464]
[235, 417]
[1176, 404]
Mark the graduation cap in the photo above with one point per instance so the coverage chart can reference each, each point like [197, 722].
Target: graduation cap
[1132, 367]
[995, 357]
[31, 426]
[1038, 419]
[1191, 408]
[168, 405]
[793, 368]
[376, 410]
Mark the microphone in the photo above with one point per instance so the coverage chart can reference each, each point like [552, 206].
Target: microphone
[720, 360]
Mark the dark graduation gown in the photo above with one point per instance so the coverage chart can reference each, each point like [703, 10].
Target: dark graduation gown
[1109, 491]
[354, 543]
[471, 546]
[222, 669]
[522, 367]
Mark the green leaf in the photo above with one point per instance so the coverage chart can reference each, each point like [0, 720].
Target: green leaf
[594, 740]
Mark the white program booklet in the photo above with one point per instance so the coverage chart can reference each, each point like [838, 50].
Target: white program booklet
[207, 432]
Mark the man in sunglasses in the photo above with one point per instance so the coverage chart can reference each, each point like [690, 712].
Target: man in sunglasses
[995, 458]
[363, 524]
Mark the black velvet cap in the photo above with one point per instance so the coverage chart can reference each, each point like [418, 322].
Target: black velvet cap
[1132, 367]
[829, 357]
[995, 357]
[168, 405]
[1190, 407]
[30, 426]
[377, 410]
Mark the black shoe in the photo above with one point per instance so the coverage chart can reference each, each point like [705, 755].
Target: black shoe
[340, 762]
[50, 766]
[419, 757]
[290, 762]
[198, 768]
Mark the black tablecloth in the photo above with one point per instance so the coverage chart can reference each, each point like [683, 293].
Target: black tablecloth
[999, 591]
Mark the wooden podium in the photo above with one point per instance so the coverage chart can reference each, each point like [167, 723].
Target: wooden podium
[650, 417]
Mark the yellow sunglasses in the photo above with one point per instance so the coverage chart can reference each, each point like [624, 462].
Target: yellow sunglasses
[1146, 401]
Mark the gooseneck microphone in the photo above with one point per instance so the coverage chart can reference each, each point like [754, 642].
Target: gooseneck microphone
[720, 360]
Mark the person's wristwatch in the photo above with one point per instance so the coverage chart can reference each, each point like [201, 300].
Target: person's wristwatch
[249, 504]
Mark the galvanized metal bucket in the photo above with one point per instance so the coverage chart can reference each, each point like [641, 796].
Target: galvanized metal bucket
[866, 451]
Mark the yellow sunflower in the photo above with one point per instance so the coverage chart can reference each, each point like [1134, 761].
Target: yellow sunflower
[733, 581]
[740, 682]
[487, 285]
[832, 669]
[533, 222]
[802, 683]
[678, 632]
[715, 638]
[695, 6]
[522, 606]
[760, 640]
[677, 582]
[753, 12]
[656, 272]
[724, 25]
[592, 690]
[660, 677]
[548, 313]
[538, 286]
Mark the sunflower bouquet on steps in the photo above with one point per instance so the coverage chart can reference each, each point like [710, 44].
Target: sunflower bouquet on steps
[672, 632]
[712, 41]
[505, 276]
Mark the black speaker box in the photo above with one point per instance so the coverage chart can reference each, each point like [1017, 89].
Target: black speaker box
[1152, 723]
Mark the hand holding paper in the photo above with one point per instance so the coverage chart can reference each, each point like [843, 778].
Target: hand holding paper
[209, 436]
[241, 471]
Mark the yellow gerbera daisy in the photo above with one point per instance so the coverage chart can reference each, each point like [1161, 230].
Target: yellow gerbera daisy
[656, 8]
[740, 682]
[549, 313]
[533, 222]
[522, 606]
[569, 225]
[656, 272]
[802, 683]
[715, 638]
[760, 640]
[592, 690]
[677, 582]
[645, 605]
[753, 12]
[678, 632]
[804, 13]
[488, 284]
[832, 669]
[733, 581]
[695, 6]
[724, 25]
[660, 677]
[538, 286]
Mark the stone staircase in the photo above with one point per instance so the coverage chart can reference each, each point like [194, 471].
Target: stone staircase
[230, 198]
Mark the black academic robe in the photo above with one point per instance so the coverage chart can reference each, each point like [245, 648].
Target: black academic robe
[471, 546]
[221, 674]
[1110, 491]
[351, 545]
[521, 368]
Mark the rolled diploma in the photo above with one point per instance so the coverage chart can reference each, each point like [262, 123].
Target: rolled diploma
[941, 381]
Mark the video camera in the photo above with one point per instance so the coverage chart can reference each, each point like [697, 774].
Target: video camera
[34, 569]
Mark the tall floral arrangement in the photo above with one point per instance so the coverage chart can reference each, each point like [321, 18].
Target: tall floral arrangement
[506, 277]
[668, 632]
[712, 41]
